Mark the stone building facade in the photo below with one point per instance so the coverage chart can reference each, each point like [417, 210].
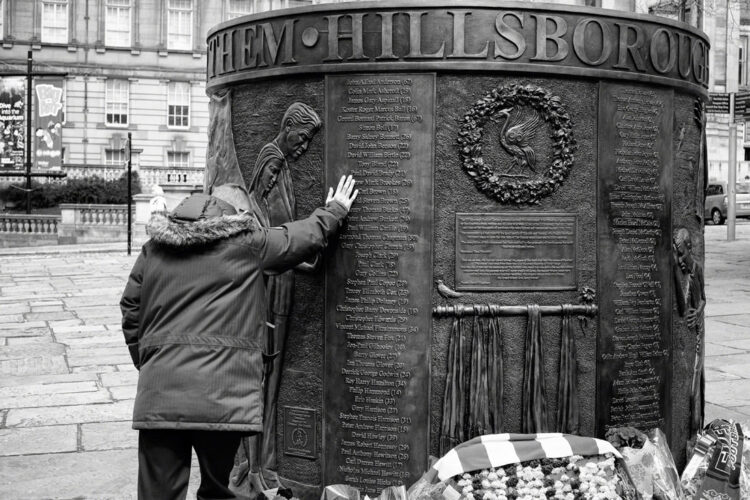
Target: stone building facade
[133, 66]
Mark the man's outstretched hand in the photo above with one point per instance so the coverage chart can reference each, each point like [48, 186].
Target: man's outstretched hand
[345, 193]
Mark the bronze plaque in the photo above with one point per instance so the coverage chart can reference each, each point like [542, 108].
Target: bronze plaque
[634, 245]
[380, 128]
[516, 251]
[300, 432]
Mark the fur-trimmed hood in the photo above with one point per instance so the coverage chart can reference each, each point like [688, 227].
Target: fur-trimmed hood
[181, 234]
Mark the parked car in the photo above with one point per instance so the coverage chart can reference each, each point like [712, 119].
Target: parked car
[715, 208]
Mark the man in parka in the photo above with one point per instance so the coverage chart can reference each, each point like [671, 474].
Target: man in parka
[194, 316]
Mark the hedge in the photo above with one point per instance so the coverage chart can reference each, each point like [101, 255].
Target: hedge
[88, 190]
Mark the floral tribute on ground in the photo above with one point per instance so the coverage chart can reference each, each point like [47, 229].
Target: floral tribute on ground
[527, 466]
[570, 478]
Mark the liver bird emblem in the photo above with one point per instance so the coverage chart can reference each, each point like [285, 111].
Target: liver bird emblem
[518, 130]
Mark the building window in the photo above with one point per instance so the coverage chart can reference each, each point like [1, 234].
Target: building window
[237, 8]
[116, 102]
[55, 21]
[117, 23]
[114, 157]
[177, 159]
[180, 24]
[178, 104]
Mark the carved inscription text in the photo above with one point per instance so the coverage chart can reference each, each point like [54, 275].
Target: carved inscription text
[634, 257]
[377, 312]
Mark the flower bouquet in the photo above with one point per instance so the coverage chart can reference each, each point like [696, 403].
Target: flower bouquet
[649, 462]
[527, 466]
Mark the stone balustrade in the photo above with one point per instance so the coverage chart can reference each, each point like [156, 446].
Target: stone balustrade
[170, 177]
[92, 223]
[149, 176]
[97, 215]
[28, 230]
[87, 223]
[29, 224]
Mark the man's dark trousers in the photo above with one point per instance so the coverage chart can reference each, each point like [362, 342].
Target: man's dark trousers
[164, 463]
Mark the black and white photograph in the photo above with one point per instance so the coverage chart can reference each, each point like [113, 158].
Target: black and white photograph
[374, 250]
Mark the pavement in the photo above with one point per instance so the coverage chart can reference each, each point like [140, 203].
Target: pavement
[67, 382]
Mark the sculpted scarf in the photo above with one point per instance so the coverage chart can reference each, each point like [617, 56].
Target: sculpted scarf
[567, 384]
[534, 406]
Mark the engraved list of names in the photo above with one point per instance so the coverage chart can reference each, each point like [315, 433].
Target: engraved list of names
[634, 236]
[380, 129]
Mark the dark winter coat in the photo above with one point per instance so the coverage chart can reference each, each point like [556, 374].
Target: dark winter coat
[194, 315]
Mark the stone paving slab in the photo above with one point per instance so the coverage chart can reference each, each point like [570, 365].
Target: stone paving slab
[741, 320]
[35, 440]
[718, 331]
[14, 341]
[714, 411]
[732, 393]
[99, 340]
[11, 318]
[714, 375]
[108, 436]
[718, 349]
[46, 379]
[94, 369]
[122, 392]
[119, 378]
[92, 475]
[719, 309]
[76, 414]
[55, 388]
[40, 365]
[741, 370]
[54, 400]
[76, 361]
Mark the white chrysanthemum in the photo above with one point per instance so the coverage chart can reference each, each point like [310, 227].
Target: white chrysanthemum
[492, 475]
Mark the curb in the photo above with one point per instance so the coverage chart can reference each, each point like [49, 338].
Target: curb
[69, 249]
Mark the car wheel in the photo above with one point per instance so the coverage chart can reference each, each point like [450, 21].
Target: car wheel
[716, 217]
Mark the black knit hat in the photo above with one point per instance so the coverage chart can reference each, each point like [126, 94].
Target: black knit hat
[201, 206]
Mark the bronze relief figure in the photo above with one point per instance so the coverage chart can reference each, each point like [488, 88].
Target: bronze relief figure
[272, 200]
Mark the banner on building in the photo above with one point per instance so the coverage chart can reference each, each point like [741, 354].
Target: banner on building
[12, 122]
[741, 107]
[48, 121]
[718, 102]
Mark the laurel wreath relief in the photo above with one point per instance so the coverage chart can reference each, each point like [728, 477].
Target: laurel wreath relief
[486, 178]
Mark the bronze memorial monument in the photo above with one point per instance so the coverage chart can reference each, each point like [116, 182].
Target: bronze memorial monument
[524, 254]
